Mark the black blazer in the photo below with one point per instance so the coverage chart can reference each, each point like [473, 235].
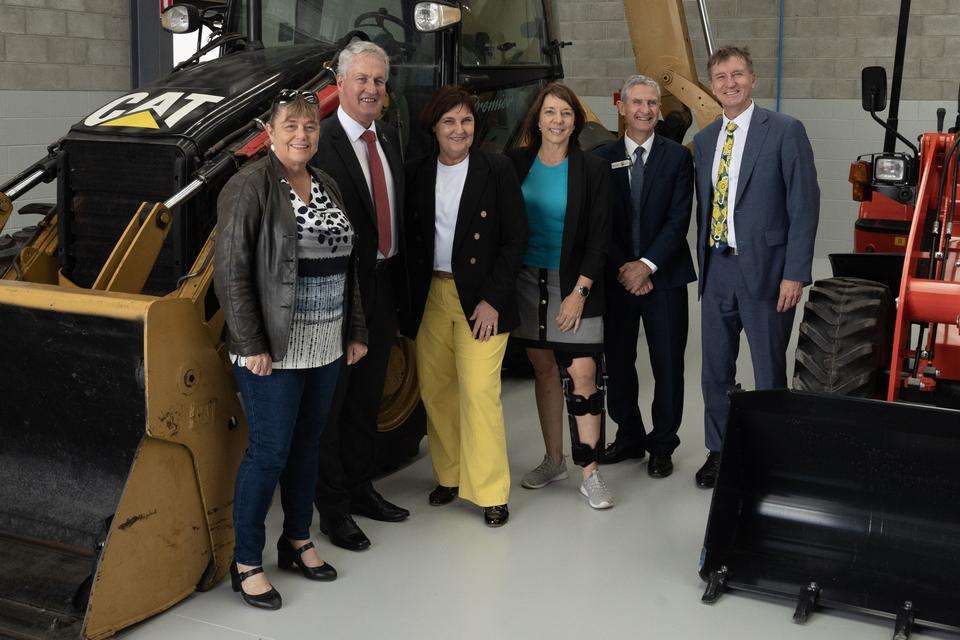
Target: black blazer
[666, 204]
[585, 231]
[335, 156]
[489, 238]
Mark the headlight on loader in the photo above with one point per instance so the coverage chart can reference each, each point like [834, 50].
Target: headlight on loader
[180, 18]
[433, 16]
[890, 169]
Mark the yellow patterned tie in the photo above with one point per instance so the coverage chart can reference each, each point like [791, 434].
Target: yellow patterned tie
[718, 219]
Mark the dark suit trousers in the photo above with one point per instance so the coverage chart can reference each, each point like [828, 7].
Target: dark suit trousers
[664, 316]
[348, 445]
[726, 308]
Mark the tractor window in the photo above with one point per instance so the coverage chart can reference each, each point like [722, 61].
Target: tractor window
[500, 113]
[389, 23]
[496, 33]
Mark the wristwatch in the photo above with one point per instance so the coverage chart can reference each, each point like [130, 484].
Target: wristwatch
[583, 291]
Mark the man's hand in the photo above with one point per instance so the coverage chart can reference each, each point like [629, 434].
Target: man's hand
[790, 294]
[355, 351]
[485, 319]
[635, 277]
[260, 364]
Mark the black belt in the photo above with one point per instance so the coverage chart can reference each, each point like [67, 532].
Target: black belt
[383, 265]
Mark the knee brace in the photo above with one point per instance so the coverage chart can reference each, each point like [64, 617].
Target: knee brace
[577, 405]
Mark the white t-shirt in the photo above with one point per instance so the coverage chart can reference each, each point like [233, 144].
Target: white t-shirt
[450, 181]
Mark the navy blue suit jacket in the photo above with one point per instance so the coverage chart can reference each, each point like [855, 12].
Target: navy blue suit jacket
[777, 207]
[666, 205]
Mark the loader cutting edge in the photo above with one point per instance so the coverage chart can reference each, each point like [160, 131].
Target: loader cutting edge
[125, 453]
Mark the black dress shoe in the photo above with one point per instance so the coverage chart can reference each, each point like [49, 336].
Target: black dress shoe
[617, 452]
[344, 532]
[496, 516]
[372, 505]
[443, 495]
[660, 465]
[270, 600]
[287, 557]
[707, 475]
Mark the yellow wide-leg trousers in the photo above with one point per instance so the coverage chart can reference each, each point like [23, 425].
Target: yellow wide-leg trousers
[460, 387]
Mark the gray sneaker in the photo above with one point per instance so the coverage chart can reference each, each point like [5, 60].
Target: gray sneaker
[596, 491]
[546, 472]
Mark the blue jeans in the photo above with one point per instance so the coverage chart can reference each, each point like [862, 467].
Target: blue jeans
[286, 412]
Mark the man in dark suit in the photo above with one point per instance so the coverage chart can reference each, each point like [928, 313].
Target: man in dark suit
[364, 158]
[758, 208]
[648, 269]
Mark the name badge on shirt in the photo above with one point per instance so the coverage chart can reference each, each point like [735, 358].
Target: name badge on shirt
[621, 164]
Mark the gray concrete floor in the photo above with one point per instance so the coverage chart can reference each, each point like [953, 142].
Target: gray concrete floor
[557, 570]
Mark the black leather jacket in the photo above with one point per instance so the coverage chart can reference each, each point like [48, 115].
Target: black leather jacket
[255, 261]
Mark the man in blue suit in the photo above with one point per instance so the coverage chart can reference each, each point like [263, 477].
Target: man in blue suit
[758, 207]
[648, 269]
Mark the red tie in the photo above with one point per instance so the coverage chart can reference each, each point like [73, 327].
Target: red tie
[380, 198]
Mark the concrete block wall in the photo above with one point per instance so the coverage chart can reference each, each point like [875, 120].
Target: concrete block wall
[59, 60]
[826, 44]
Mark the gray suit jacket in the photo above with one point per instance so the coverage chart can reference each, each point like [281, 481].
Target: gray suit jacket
[777, 205]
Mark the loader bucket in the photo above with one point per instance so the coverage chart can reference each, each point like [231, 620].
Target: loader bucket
[839, 502]
[120, 435]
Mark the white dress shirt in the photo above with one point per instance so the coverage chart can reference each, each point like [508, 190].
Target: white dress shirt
[354, 130]
[733, 170]
[450, 181]
[631, 145]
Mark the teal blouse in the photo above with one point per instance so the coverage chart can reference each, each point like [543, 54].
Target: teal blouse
[545, 197]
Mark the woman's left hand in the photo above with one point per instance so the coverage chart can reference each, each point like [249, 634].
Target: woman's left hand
[570, 310]
[355, 351]
[485, 319]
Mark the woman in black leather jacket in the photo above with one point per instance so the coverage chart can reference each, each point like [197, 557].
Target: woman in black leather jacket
[285, 277]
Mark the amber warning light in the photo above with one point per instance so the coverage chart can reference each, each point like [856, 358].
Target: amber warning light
[860, 179]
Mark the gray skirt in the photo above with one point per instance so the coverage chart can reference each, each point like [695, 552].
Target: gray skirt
[539, 298]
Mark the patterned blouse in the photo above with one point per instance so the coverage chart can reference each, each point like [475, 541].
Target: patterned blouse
[324, 243]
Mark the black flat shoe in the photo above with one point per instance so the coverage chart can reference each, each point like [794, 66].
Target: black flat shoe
[496, 516]
[616, 452]
[370, 504]
[443, 495]
[270, 600]
[707, 475]
[660, 465]
[344, 533]
[287, 557]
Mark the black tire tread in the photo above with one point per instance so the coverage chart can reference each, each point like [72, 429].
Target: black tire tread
[843, 337]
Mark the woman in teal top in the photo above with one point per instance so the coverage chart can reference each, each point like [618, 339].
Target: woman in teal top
[545, 196]
[560, 288]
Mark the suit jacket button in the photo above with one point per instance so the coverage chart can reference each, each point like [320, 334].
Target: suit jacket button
[473, 261]
[483, 214]
[476, 236]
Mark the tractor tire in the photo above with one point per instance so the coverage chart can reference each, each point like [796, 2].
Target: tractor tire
[402, 421]
[845, 336]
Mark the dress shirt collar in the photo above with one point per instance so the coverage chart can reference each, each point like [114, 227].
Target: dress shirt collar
[742, 121]
[631, 145]
[351, 127]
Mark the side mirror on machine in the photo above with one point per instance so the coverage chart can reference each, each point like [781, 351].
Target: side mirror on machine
[181, 18]
[873, 87]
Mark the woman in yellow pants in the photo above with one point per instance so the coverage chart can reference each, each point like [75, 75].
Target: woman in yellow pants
[466, 234]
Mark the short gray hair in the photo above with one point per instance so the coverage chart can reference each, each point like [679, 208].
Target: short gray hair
[360, 48]
[637, 80]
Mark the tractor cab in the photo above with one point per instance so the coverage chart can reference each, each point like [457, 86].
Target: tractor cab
[501, 51]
